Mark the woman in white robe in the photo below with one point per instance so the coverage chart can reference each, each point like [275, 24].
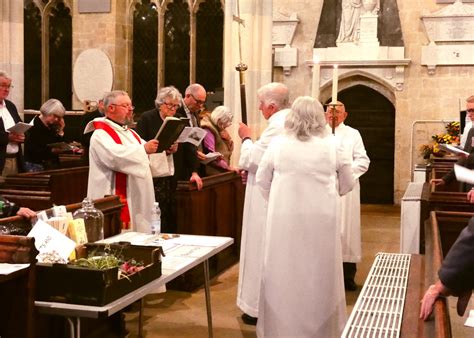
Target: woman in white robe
[302, 286]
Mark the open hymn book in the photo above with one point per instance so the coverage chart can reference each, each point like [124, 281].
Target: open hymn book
[169, 132]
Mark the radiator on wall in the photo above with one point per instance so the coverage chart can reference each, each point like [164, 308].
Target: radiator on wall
[410, 219]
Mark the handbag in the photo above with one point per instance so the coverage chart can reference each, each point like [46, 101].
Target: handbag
[161, 165]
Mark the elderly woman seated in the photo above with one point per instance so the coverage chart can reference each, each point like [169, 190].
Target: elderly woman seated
[48, 128]
[218, 139]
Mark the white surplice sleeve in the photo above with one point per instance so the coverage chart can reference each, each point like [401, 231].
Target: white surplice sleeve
[130, 159]
[360, 160]
[345, 172]
[264, 176]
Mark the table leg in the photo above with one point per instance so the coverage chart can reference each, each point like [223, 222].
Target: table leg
[208, 297]
[140, 318]
[74, 327]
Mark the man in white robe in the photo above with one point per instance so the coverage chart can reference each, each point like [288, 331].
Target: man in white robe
[115, 150]
[349, 212]
[273, 99]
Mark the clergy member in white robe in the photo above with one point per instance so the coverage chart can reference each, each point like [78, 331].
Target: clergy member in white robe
[273, 99]
[128, 155]
[301, 176]
[349, 216]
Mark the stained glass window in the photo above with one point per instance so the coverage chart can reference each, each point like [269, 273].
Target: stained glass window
[177, 47]
[145, 56]
[60, 54]
[32, 55]
[210, 44]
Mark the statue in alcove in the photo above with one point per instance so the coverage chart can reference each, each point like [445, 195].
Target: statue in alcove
[350, 18]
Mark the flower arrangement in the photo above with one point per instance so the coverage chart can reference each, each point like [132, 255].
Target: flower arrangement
[451, 136]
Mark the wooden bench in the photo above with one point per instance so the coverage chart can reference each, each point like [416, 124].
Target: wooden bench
[35, 200]
[66, 185]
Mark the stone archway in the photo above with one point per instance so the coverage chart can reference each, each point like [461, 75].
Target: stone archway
[373, 115]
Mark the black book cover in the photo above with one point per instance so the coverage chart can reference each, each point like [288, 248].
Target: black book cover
[169, 132]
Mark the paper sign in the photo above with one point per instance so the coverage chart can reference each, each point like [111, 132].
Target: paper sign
[48, 239]
[59, 211]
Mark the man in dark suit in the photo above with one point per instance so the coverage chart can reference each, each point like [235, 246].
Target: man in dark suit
[11, 159]
[186, 165]
[456, 275]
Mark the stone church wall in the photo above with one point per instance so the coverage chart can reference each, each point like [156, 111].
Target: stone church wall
[424, 96]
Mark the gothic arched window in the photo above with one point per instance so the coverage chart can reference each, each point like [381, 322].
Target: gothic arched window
[177, 45]
[210, 42]
[32, 54]
[145, 55]
[60, 54]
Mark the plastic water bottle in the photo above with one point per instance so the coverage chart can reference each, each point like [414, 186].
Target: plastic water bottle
[155, 224]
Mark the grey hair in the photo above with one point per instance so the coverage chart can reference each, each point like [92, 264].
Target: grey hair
[5, 75]
[194, 88]
[109, 98]
[221, 116]
[274, 93]
[306, 119]
[53, 107]
[470, 99]
[167, 92]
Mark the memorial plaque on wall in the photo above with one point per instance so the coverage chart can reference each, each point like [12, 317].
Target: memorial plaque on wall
[94, 6]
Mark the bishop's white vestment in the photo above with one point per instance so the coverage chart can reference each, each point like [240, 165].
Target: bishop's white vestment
[107, 157]
[253, 222]
[302, 292]
[350, 141]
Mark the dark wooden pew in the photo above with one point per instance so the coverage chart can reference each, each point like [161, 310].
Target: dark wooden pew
[66, 185]
[216, 210]
[17, 290]
[35, 200]
[110, 206]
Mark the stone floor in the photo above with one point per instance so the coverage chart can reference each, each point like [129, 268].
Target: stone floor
[183, 314]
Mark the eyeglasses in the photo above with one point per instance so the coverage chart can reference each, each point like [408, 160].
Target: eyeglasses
[470, 110]
[199, 102]
[6, 86]
[124, 105]
[171, 106]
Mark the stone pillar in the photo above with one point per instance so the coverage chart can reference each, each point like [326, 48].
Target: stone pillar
[11, 50]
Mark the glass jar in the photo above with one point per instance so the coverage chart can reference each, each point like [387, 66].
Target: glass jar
[93, 220]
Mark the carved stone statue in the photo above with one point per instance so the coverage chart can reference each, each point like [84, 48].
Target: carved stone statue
[350, 18]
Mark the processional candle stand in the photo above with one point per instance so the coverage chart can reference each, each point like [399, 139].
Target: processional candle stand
[241, 68]
[333, 105]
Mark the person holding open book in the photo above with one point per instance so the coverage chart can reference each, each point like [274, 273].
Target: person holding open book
[48, 128]
[11, 157]
[167, 101]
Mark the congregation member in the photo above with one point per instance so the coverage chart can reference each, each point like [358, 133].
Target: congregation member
[167, 101]
[8, 209]
[48, 128]
[186, 161]
[301, 175]
[468, 147]
[119, 164]
[11, 157]
[456, 275]
[469, 120]
[218, 139]
[349, 140]
[273, 101]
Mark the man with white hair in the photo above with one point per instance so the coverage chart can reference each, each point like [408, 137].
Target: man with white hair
[273, 101]
[119, 163]
[11, 159]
